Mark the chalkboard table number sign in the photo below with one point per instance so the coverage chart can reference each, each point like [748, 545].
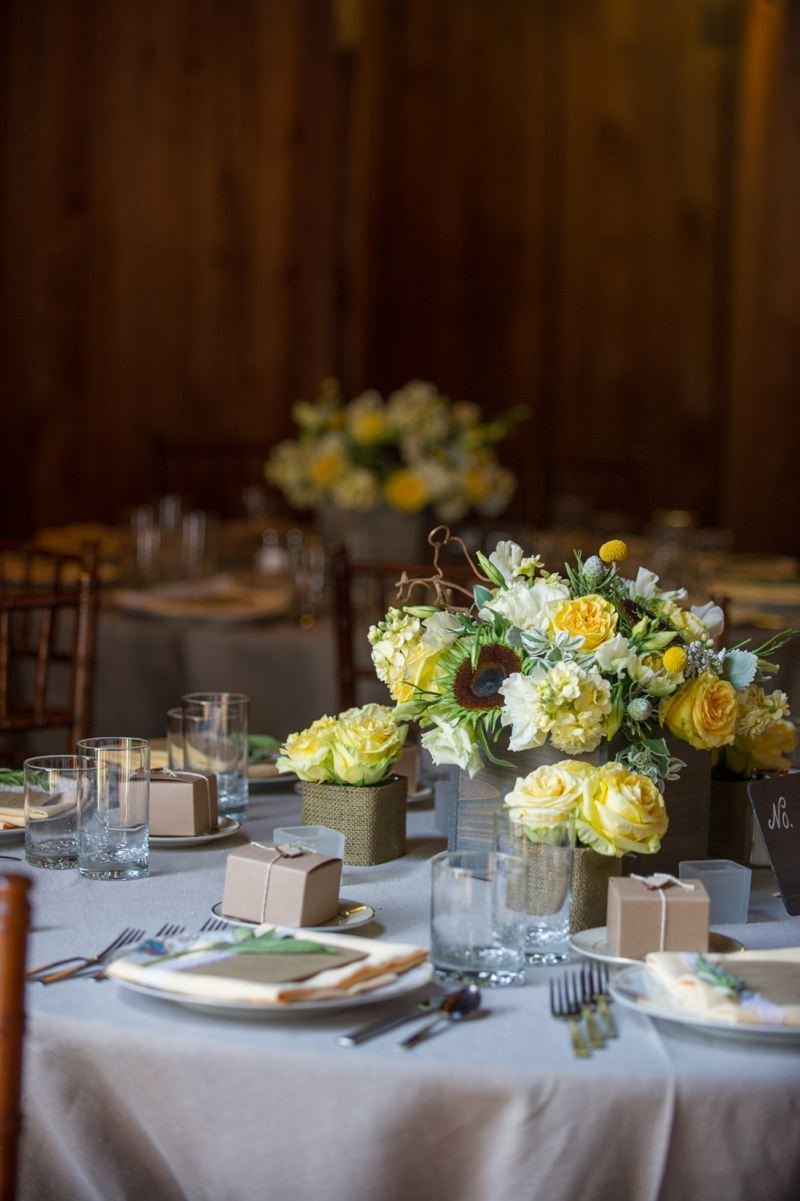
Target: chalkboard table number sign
[776, 804]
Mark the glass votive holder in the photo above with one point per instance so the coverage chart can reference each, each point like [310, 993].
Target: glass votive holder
[54, 787]
[319, 839]
[727, 884]
[477, 926]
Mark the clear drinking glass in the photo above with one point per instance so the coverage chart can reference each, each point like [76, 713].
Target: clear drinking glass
[175, 727]
[215, 740]
[477, 930]
[113, 839]
[546, 901]
[54, 785]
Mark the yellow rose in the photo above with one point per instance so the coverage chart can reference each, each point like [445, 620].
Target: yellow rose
[367, 425]
[549, 795]
[308, 752]
[419, 671]
[406, 491]
[592, 618]
[769, 751]
[325, 468]
[365, 745]
[621, 811]
[702, 713]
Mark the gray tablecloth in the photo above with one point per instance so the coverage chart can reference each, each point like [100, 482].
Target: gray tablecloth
[127, 1097]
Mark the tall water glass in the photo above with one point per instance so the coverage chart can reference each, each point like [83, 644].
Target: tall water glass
[477, 931]
[175, 745]
[54, 785]
[113, 816]
[546, 900]
[215, 741]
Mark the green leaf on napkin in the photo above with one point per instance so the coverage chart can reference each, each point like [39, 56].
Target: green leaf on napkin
[11, 778]
[245, 942]
[262, 748]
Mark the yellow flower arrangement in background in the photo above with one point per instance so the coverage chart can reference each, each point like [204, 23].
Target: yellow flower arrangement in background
[414, 450]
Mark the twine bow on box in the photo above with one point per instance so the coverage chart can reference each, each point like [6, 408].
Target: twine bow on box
[659, 882]
[287, 850]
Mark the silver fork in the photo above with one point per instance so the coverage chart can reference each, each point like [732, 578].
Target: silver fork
[212, 924]
[166, 931]
[565, 1007]
[588, 1001]
[124, 939]
[83, 959]
[602, 997]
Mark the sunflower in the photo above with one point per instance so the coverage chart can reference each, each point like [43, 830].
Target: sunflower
[477, 685]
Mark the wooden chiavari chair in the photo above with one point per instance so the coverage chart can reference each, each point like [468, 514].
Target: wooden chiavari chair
[13, 936]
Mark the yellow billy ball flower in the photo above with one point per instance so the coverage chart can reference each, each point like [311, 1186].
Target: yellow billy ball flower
[614, 551]
[675, 658]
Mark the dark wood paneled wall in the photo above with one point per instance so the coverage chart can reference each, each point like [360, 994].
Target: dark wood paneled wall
[588, 206]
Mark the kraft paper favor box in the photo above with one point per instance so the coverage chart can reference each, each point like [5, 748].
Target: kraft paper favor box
[288, 886]
[668, 918]
[182, 802]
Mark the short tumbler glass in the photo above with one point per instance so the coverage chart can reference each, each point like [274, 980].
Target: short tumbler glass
[477, 933]
[546, 901]
[215, 741]
[54, 785]
[113, 815]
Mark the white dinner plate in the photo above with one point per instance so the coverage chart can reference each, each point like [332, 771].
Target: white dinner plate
[345, 919]
[637, 987]
[409, 982]
[593, 944]
[226, 827]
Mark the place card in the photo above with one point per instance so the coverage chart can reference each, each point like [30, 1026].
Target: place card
[776, 804]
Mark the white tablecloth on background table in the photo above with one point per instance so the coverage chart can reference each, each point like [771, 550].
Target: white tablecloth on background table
[127, 1097]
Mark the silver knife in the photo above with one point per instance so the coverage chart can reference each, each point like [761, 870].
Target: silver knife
[381, 1025]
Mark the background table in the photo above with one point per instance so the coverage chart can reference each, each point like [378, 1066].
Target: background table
[126, 1097]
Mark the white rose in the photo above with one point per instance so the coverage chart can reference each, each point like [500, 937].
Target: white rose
[440, 630]
[527, 606]
[447, 744]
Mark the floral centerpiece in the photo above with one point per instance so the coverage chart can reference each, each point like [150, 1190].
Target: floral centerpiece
[345, 765]
[417, 449]
[530, 657]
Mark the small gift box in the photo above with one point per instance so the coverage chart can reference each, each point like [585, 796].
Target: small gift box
[656, 913]
[286, 885]
[182, 802]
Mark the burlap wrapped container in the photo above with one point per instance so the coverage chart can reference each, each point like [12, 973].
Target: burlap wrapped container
[372, 818]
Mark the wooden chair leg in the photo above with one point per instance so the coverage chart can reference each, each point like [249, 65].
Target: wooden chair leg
[13, 935]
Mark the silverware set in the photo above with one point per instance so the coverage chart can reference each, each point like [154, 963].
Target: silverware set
[461, 1005]
[581, 1000]
[91, 967]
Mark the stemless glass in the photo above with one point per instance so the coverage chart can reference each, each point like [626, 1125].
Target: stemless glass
[54, 785]
[113, 841]
[175, 745]
[477, 932]
[215, 741]
[546, 900]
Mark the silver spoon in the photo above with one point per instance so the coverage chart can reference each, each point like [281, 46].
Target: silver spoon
[454, 1008]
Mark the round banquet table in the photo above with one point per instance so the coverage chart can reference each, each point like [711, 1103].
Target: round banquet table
[128, 1097]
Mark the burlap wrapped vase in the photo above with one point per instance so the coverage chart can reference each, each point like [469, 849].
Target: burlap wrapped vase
[590, 875]
[372, 817]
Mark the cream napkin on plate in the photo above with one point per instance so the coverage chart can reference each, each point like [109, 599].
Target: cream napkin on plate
[378, 964]
[12, 812]
[771, 979]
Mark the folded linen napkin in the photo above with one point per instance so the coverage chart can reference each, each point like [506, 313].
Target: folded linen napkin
[751, 987]
[12, 811]
[222, 967]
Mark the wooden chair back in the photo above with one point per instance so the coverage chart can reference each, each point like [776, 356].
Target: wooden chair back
[48, 610]
[13, 935]
[362, 593]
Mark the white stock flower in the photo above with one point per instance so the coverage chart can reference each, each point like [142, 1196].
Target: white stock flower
[447, 743]
[758, 710]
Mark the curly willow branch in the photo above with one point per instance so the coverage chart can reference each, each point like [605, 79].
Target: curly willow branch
[442, 588]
